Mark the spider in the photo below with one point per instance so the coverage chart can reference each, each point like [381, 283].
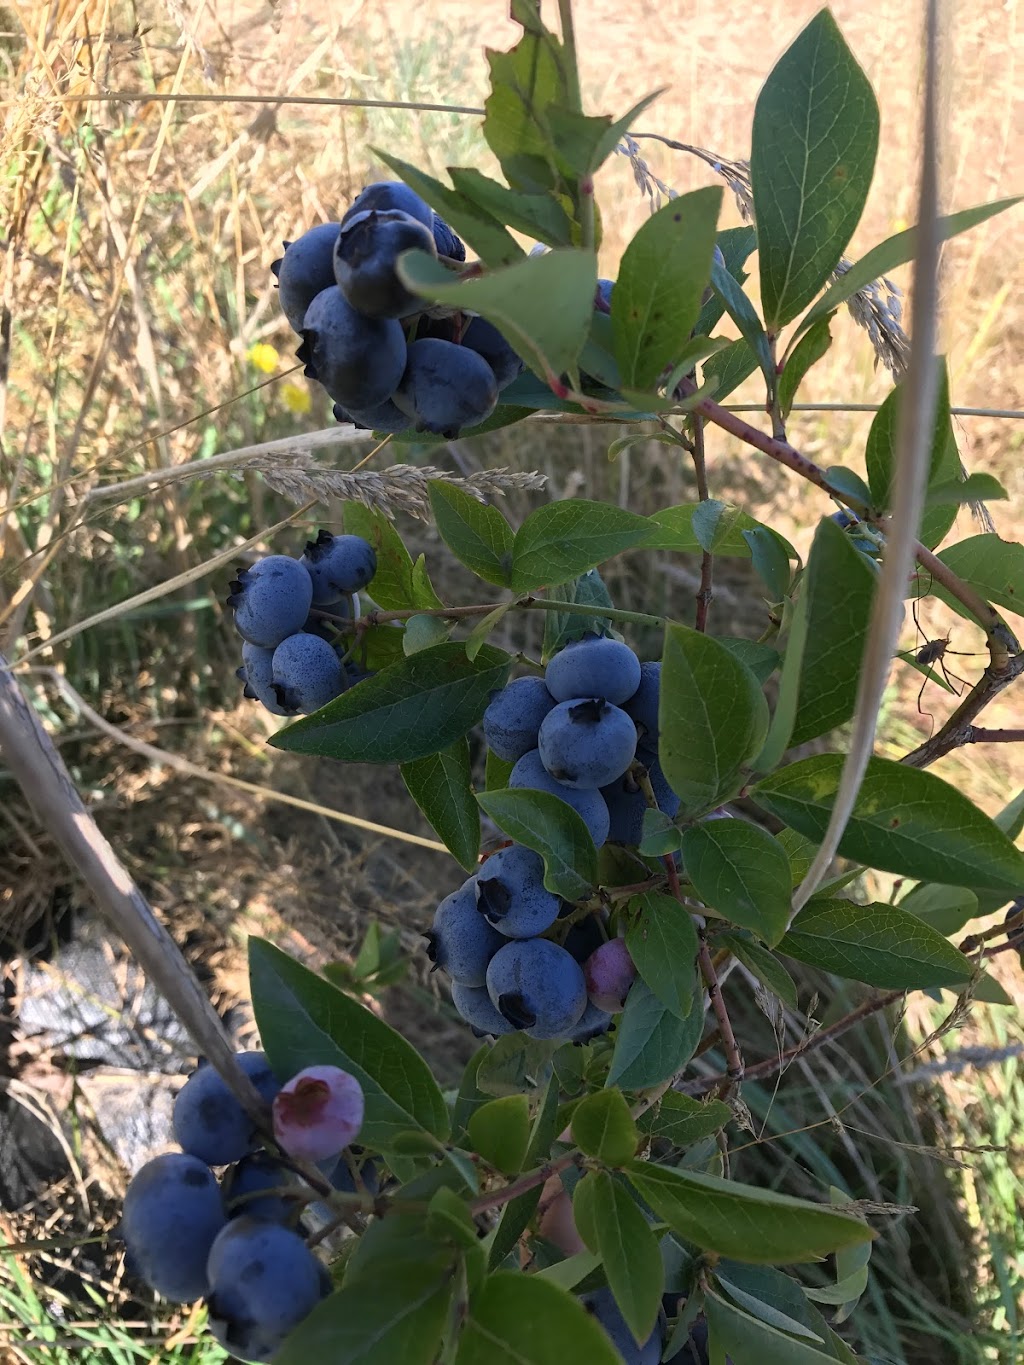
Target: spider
[934, 652]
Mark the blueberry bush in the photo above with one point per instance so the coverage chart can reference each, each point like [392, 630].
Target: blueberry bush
[649, 832]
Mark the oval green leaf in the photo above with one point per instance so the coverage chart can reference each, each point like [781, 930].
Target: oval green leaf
[564, 539]
[500, 1132]
[414, 707]
[518, 1319]
[475, 532]
[741, 1221]
[880, 945]
[742, 872]
[904, 821]
[663, 945]
[812, 156]
[603, 1127]
[652, 1043]
[630, 1253]
[551, 828]
[441, 785]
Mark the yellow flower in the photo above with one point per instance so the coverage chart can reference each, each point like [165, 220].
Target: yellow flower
[296, 399]
[264, 357]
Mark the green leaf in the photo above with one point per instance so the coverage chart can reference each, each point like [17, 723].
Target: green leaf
[412, 708]
[896, 251]
[481, 230]
[521, 1319]
[764, 965]
[500, 1132]
[441, 785]
[762, 660]
[715, 526]
[735, 244]
[587, 591]
[542, 305]
[682, 1121]
[766, 1312]
[478, 636]
[583, 142]
[564, 539]
[880, 945]
[476, 533]
[663, 945]
[904, 821]
[663, 272]
[728, 368]
[424, 632]
[658, 835]
[812, 156]
[602, 1127]
[630, 1253]
[880, 457]
[394, 585]
[538, 215]
[572, 1271]
[741, 1221]
[470, 1096]
[516, 1214]
[1011, 818]
[525, 81]
[305, 1021]
[515, 1064]
[743, 313]
[805, 354]
[652, 1043]
[840, 586]
[975, 488]
[712, 716]
[775, 1297]
[945, 908]
[390, 1316]
[553, 829]
[741, 871]
[747, 1338]
[995, 567]
[496, 772]
[768, 551]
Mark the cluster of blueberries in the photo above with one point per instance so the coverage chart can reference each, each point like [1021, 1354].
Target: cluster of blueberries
[236, 1242]
[284, 608]
[389, 361]
[578, 733]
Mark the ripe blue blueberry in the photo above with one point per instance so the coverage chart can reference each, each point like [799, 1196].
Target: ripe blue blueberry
[512, 719]
[593, 1022]
[587, 743]
[484, 338]
[307, 674]
[603, 296]
[446, 387]
[263, 1281]
[365, 256]
[627, 803]
[173, 1210]
[589, 805]
[209, 1123]
[475, 1006]
[271, 600]
[596, 666]
[643, 704]
[338, 565]
[391, 194]
[538, 987]
[251, 1176]
[358, 360]
[460, 941]
[447, 242]
[257, 674]
[306, 268]
[511, 895]
[384, 417]
[601, 1303]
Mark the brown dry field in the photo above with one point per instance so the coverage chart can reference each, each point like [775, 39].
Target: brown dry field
[101, 309]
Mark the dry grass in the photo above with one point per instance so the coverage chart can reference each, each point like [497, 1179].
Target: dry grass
[136, 241]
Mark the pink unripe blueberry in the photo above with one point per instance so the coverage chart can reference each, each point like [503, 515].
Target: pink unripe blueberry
[609, 972]
[318, 1112]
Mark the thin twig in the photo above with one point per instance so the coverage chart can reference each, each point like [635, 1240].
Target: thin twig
[958, 729]
[707, 561]
[499, 1198]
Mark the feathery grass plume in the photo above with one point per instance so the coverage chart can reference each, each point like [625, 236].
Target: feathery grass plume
[399, 488]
